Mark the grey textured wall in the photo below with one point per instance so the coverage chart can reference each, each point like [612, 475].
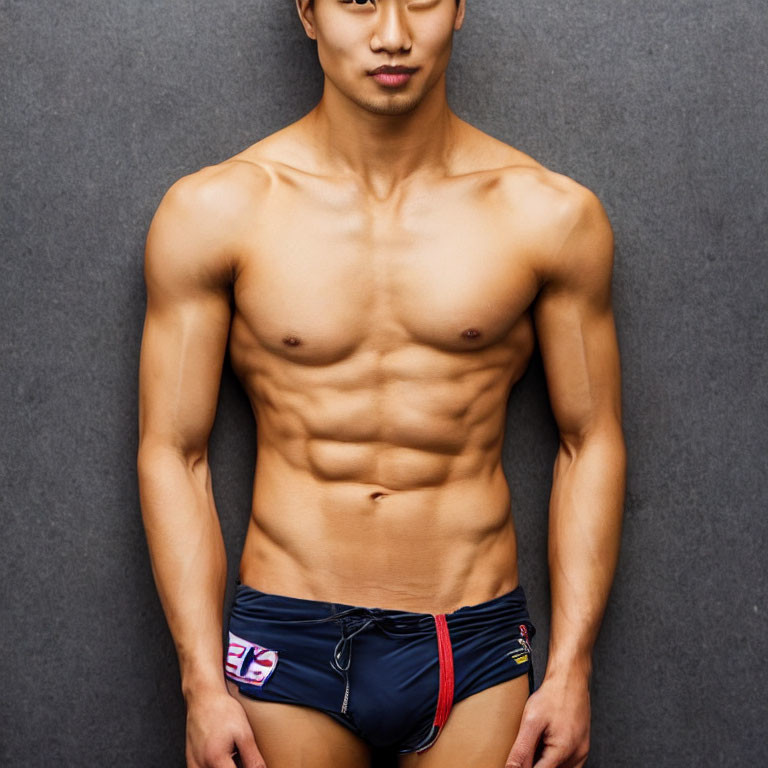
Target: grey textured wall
[659, 107]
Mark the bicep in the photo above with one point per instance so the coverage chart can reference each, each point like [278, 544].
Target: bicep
[185, 329]
[575, 324]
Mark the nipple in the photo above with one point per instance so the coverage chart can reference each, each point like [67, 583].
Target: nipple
[291, 341]
[470, 333]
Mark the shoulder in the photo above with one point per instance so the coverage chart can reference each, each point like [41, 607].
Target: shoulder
[551, 200]
[581, 255]
[214, 195]
[197, 227]
[559, 223]
[228, 195]
[551, 204]
[564, 221]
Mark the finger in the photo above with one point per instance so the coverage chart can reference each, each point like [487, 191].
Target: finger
[574, 761]
[554, 757]
[249, 757]
[549, 760]
[227, 761]
[232, 761]
[521, 754]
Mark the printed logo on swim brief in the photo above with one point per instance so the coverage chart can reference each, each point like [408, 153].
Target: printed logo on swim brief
[249, 662]
[521, 654]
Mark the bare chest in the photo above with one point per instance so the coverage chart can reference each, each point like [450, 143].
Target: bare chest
[322, 277]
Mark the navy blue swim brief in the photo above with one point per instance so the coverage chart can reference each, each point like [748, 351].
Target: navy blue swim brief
[408, 669]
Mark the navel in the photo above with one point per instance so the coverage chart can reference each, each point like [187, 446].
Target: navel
[377, 495]
[291, 341]
[470, 333]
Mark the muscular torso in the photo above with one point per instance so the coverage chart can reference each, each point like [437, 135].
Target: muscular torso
[378, 341]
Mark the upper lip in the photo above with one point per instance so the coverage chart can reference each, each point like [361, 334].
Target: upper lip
[390, 70]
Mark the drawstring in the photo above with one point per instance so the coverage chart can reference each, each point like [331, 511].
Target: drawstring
[342, 667]
[344, 646]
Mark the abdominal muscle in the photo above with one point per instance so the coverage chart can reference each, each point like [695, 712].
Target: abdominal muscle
[431, 545]
[378, 478]
[378, 344]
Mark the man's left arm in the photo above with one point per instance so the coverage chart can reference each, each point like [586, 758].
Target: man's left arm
[577, 339]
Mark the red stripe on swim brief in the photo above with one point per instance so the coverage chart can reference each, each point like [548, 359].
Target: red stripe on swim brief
[445, 657]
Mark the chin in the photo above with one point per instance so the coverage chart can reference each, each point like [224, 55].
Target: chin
[400, 105]
[401, 108]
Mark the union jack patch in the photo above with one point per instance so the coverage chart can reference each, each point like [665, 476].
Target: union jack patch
[249, 662]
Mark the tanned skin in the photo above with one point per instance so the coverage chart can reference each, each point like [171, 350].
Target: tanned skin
[380, 271]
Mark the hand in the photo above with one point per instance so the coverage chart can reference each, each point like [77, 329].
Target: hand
[217, 726]
[558, 712]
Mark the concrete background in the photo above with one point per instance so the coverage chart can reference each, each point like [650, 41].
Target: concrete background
[659, 107]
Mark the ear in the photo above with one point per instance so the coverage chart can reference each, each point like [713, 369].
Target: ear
[306, 12]
[460, 14]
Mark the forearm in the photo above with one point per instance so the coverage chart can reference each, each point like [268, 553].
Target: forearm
[188, 560]
[585, 520]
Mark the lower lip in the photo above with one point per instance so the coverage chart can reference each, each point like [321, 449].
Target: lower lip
[392, 79]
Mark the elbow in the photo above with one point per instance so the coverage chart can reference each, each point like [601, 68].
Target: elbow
[606, 436]
[154, 455]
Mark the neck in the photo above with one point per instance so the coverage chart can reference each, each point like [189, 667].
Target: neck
[382, 150]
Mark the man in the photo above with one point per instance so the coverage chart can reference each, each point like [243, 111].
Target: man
[381, 271]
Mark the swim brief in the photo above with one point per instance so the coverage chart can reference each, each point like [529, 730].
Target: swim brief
[408, 669]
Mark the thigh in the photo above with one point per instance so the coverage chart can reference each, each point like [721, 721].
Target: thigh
[296, 736]
[480, 730]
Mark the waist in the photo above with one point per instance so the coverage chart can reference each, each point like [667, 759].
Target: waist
[254, 603]
[417, 557]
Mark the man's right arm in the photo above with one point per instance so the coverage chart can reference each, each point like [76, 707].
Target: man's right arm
[187, 275]
[189, 267]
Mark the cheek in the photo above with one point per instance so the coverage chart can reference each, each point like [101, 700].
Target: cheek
[435, 37]
[333, 50]
[435, 52]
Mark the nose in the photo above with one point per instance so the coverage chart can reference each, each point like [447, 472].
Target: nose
[391, 32]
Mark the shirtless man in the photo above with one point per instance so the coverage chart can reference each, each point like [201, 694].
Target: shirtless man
[380, 271]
